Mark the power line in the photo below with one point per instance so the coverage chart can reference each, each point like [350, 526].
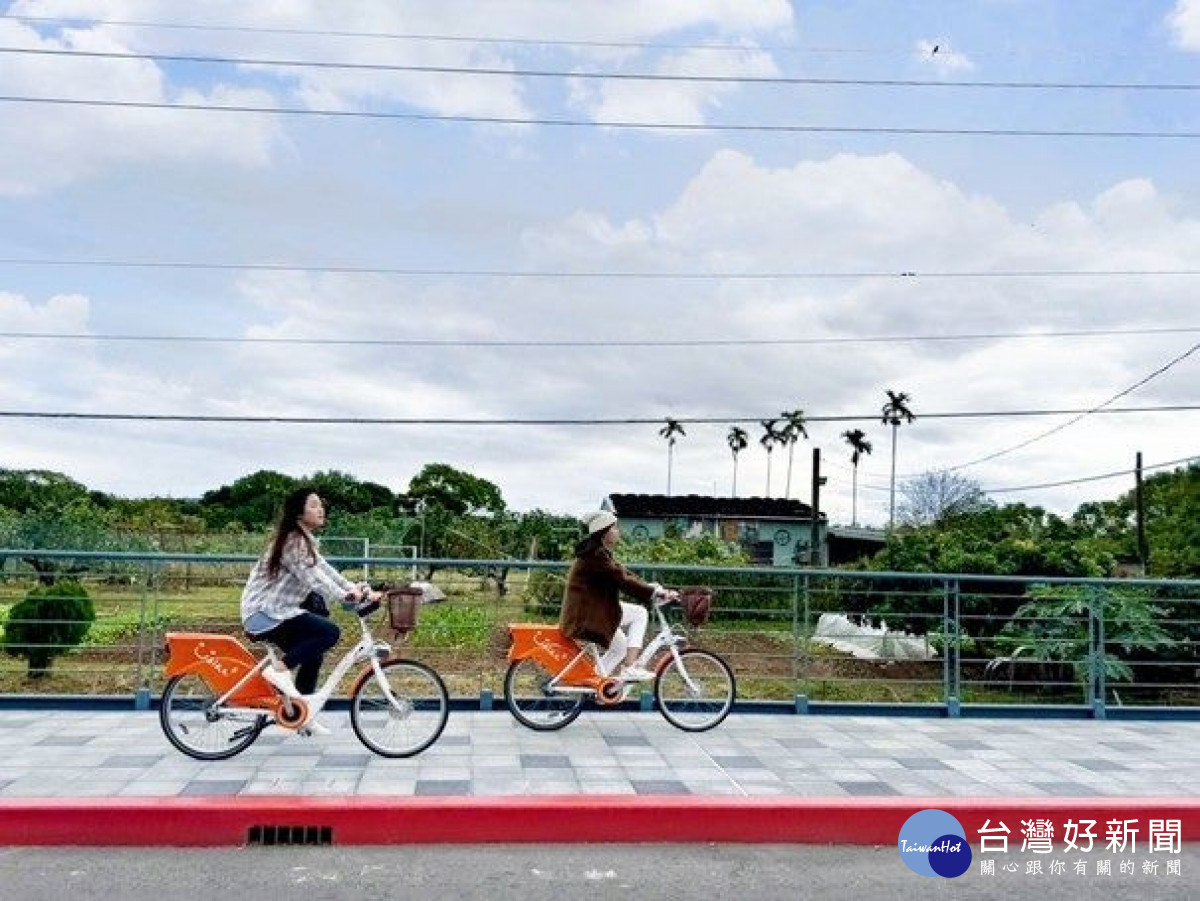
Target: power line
[1025, 51]
[421, 272]
[454, 421]
[1061, 426]
[693, 127]
[1118, 473]
[702, 78]
[599, 343]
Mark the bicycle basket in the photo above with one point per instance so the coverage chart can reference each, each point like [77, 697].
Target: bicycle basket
[696, 604]
[403, 604]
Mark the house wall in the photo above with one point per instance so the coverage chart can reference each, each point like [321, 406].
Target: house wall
[768, 541]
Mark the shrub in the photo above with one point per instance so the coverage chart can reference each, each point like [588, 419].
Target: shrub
[49, 622]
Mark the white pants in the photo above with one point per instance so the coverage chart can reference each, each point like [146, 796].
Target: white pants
[634, 619]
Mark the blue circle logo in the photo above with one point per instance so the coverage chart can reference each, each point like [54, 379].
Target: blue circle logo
[934, 843]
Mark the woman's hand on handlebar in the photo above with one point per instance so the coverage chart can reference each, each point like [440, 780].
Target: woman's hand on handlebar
[663, 596]
[362, 594]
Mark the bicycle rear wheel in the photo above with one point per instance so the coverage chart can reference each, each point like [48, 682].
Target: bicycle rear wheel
[411, 719]
[695, 690]
[533, 703]
[191, 725]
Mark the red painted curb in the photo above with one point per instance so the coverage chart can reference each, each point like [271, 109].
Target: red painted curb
[227, 822]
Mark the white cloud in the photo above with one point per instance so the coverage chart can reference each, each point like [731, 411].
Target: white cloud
[670, 101]
[445, 94]
[942, 57]
[1184, 21]
[49, 146]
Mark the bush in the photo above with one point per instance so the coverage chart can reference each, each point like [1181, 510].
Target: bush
[49, 622]
[543, 593]
[1053, 628]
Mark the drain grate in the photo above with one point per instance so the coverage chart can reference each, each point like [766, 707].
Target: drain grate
[268, 836]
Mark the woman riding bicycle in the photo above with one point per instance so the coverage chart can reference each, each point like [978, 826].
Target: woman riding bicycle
[592, 609]
[277, 592]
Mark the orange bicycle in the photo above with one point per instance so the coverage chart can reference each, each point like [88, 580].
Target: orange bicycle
[550, 675]
[216, 702]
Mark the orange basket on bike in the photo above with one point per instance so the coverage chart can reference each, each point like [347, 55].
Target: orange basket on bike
[402, 605]
[696, 604]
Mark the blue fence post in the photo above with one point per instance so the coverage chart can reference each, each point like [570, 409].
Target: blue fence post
[485, 699]
[953, 674]
[1090, 695]
[1096, 654]
[800, 633]
[141, 678]
[1101, 668]
[946, 692]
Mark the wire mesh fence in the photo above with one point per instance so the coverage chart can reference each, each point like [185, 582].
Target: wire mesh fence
[94, 623]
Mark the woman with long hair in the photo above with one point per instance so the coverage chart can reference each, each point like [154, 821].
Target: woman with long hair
[276, 595]
[592, 608]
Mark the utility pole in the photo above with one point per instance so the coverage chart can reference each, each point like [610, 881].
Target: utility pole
[1139, 502]
[814, 540]
[892, 493]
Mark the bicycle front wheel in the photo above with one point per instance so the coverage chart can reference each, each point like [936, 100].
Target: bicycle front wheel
[695, 690]
[193, 726]
[530, 699]
[403, 714]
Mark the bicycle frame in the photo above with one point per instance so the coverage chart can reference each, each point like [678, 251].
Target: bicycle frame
[232, 671]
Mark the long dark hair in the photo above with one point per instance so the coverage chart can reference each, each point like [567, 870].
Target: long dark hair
[289, 525]
[593, 544]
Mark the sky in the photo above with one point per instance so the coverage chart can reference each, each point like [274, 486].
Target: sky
[250, 194]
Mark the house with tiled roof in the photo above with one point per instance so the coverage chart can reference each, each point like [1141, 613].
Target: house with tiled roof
[775, 531]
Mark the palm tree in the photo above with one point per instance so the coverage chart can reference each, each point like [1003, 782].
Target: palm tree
[794, 427]
[737, 439]
[771, 437]
[895, 411]
[669, 431]
[857, 440]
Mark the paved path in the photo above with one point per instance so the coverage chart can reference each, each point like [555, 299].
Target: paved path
[62, 754]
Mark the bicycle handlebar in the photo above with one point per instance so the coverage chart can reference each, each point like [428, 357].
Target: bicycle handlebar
[365, 610]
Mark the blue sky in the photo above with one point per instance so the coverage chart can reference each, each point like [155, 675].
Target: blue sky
[86, 183]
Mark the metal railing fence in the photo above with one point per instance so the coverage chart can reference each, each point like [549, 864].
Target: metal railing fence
[93, 623]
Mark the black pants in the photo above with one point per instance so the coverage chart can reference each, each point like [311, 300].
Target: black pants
[304, 639]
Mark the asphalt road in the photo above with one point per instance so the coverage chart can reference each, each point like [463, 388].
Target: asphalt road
[532, 873]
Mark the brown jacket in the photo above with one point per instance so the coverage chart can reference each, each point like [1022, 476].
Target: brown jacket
[591, 607]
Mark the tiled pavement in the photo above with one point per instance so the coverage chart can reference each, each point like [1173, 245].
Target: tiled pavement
[76, 754]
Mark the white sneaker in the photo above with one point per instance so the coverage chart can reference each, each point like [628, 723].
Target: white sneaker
[315, 727]
[282, 680]
[635, 674]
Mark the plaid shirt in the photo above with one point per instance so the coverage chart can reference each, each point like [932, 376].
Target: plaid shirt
[299, 573]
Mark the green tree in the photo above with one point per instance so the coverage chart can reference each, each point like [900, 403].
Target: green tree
[77, 526]
[50, 621]
[669, 432]
[859, 445]
[895, 412]
[251, 501]
[1014, 540]
[342, 491]
[1172, 502]
[23, 490]
[737, 439]
[794, 428]
[771, 436]
[442, 487]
